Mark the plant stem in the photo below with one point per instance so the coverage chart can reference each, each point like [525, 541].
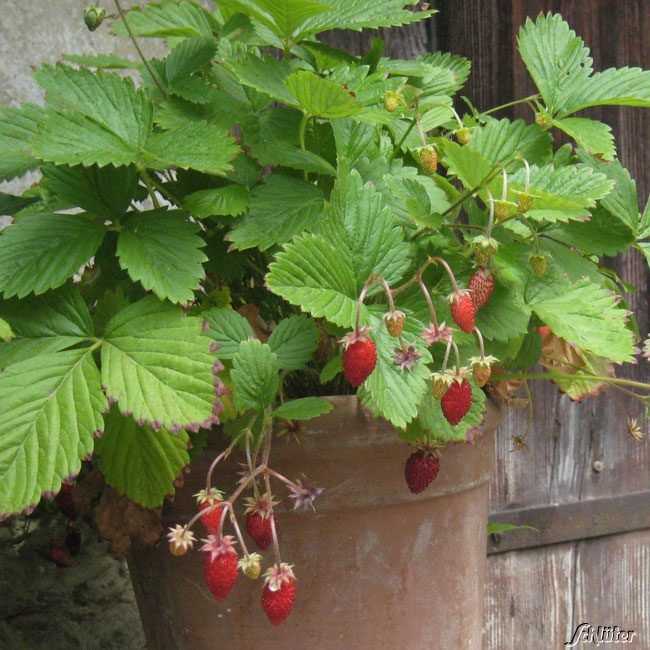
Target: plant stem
[427, 296]
[274, 533]
[509, 104]
[480, 341]
[301, 137]
[582, 376]
[398, 146]
[147, 65]
[450, 273]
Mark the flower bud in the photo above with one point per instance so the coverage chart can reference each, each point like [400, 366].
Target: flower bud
[93, 17]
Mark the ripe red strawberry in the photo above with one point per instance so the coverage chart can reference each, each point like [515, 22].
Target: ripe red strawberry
[258, 526]
[420, 469]
[359, 358]
[462, 310]
[211, 519]
[481, 286]
[219, 565]
[279, 593]
[457, 401]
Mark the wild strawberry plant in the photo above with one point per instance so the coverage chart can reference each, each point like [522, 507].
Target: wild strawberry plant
[259, 217]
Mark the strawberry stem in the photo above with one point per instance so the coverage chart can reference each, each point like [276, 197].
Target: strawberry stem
[504, 187]
[369, 282]
[435, 260]
[488, 232]
[446, 359]
[457, 355]
[427, 295]
[235, 525]
[274, 532]
[479, 336]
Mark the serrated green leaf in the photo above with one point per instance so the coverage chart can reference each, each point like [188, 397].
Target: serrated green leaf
[457, 66]
[584, 314]
[505, 315]
[256, 376]
[188, 56]
[320, 97]
[279, 209]
[104, 192]
[139, 462]
[294, 341]
[101, 61]
[41, 252]
[204, 147]
[161, 250]
[164, 19]
[156, 365]
[332, 368]
[50, 408]
[556, 58]
[359, 223]
[596, 137]
[265, 74]
[10, 204]
[392, 393]
[529, 352]
[230, 200]
[316, 276]
[431, 425]
[303, 409]
[622, 201]
[353, 139]
[228, 328]
[18, 126]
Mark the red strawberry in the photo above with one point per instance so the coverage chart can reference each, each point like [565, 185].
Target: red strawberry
[360, 356]
[219, 565]
[420, 469]
[212, 519]
[462, 310]
[279, 593]
[258, 520]
[481, 286]
[457, 401]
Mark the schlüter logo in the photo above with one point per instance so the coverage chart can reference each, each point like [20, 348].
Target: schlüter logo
[587, 633]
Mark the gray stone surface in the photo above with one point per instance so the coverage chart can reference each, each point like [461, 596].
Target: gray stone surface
[90, 604]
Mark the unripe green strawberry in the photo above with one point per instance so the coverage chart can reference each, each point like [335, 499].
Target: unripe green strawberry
[502, 209]
[463, 135]
[440, 383]
[392, 100]
[524, 202]
[251, 565]
[427, 158]
[541, 119]
[394, 322]
[483, 248]
[538, 264]
[482, 369]
[93, 17]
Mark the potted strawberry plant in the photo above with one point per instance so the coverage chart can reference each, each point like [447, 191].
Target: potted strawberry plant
[258, 224]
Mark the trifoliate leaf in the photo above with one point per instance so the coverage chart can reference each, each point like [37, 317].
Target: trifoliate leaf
[266, 75]
[594, 136]
[139, 462]
[228, 328]
[188, 56]
[256, 376]
[431, 425]
[18, 126]
[353, 139]
[279, 209]
[505, 315]
[316, 276]
[230, 200]
[303, 409]
[584, 314]
[294, 341]
[156, 365]
[163, 19]
[204, 147]
[320, 97]
[41, 252]
[104, 192]
[161, 250]
[50, 408]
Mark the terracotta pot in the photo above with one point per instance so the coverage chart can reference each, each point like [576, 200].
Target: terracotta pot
[376, 566]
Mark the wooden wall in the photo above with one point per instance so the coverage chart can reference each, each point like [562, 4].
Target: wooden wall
[537, 596]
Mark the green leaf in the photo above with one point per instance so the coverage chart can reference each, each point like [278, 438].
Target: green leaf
[622, 201]
[265, 74]
[529, 352]
[303, 409]
[316, 276]
[279, 209]
[294, 341]
[255, 375]
[139, 462]
[204, 147]
[431, 425]
[104, 192]
[556, 58]
[392, 393]
[228, 328]
[359, 224]
[164, 19]
[230, 200]
[10, 204]
[505, 315]
[161, 250]
[50, 408]
[495, 527]
[361, 14]
[332, 368]
[584, 314]
[41, 252]
[282, 17]
[188, 56]
[101, 61]
[18, 127]
[457, 66]
[596, 137]
[320, 97]
[156, 365]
